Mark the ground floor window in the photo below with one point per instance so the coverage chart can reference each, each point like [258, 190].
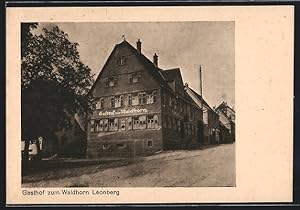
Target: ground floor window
[150, 143]
[122, 124]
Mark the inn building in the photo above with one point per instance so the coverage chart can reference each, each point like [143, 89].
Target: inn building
[140, 108]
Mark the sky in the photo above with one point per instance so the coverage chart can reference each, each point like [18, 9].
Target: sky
[185, 45]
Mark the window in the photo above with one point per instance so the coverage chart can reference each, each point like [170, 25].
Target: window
[129, 100]
[135, 100]
[112, 102]
[101, 125]
[129, 121]
[136, 123]
[119, 102]
[150, 143]
[154, 96]
[152, 121]
[134, 78]
[105, 124]
[92, 126]
[144, 97]
[97, 125]
[113, 124]
[110, 82]
[100, 104]
[105, 146]
[140, 98]
[122, 125]
[178, 126]
[121, 61]
[143, 124]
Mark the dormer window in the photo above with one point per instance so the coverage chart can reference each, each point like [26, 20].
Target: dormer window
[121, 61]
[134, 78]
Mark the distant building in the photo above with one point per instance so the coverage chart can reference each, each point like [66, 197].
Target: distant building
[141, 109]
[211, 126]
[227, 117]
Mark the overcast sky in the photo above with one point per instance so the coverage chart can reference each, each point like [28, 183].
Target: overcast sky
[186, 45]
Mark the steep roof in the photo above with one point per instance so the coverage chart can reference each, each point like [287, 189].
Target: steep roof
[155, 71]
[201, 99]
[225, 105]
[163, 76]
[173, 75]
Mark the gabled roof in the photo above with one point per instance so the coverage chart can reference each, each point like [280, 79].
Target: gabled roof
[225, 105]
[173, 75]
[155, 71]
[201, 99]
[163, 76]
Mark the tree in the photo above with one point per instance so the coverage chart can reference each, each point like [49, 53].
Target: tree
[55, 83]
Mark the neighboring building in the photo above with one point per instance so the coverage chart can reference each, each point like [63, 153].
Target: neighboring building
[141, 109]
[227, 117]
[211, 127]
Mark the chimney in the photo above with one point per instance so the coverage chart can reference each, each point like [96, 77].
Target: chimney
[139, 46]
[155, 59]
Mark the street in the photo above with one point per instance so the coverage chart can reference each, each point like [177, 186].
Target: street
[214, 166]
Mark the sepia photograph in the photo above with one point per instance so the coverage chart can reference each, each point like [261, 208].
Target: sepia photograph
[149, 105]
[128, 104]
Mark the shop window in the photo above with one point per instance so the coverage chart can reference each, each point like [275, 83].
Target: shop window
[134, 78]
[129, 100]
[143, 124]
[122, 125]
[129, 121]
[150, 143]
[121, 61]
[121, 146]
[92, 126]
[100, 104]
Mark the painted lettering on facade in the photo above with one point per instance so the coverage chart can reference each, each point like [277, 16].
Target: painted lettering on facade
[123, 111]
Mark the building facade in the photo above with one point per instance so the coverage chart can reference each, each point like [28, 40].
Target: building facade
[140, 109]
[227, 117]
[211, 125]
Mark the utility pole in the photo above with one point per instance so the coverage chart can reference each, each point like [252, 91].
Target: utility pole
[200, 71]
